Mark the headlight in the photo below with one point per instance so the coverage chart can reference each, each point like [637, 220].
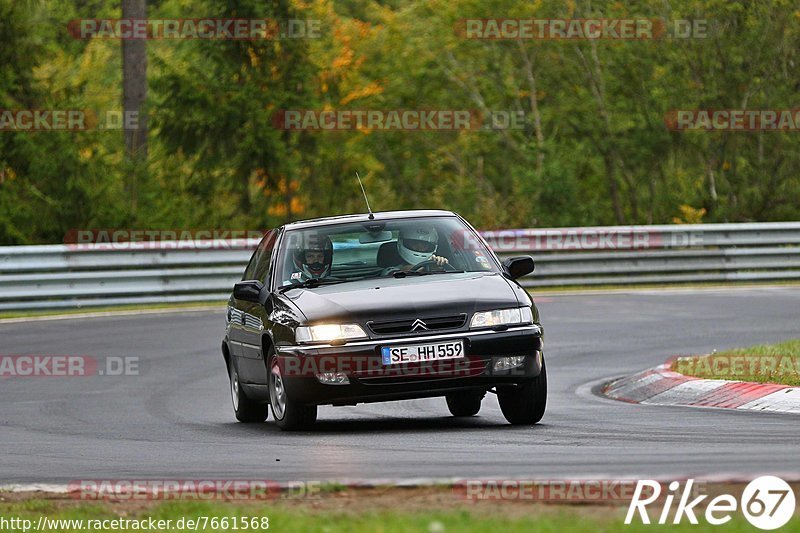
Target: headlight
[502, 317]
[329, 332]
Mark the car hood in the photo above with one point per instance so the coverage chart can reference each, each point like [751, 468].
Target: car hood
[411, 297]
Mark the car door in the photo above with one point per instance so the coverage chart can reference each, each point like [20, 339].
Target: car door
[235, 314]
[254, 316]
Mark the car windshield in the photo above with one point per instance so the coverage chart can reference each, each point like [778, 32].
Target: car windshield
[360, 250]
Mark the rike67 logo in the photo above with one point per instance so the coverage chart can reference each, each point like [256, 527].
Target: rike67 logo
[767, 502]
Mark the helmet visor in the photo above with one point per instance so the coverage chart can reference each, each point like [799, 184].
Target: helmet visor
[418, 245]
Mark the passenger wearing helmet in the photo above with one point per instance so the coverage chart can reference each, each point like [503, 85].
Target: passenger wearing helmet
[416, 245]
[313, 259]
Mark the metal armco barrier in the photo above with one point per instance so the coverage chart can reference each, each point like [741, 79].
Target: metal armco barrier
[67, 276]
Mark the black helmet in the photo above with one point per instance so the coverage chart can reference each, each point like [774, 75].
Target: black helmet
[314, 242]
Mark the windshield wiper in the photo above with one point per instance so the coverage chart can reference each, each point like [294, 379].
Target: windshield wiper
[402, 274]
[310, 284]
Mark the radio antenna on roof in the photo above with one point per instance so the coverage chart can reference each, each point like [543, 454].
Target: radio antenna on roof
[371, 216]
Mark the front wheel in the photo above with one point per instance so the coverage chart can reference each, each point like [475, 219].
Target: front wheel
[525, 404]
[246, 410]
[288, 414]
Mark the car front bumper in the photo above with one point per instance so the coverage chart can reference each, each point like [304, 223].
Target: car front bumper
[371, 381]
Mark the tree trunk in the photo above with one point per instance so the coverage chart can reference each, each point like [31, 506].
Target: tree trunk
[134, 94]
[537, 118]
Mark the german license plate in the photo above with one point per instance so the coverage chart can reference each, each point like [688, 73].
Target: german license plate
[412, 353]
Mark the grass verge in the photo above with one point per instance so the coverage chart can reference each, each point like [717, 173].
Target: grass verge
[210, 516]
[763, 363]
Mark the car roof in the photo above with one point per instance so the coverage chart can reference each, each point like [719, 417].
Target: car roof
[364, 217]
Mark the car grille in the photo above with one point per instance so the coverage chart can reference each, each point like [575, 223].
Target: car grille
[394, 327]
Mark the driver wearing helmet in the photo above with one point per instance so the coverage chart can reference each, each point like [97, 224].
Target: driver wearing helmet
[314, 259]
[418, 245]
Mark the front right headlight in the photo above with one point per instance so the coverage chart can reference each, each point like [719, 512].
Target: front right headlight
[501, 317]
[329, 332]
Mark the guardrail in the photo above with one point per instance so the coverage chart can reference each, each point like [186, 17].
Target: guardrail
[64, 276]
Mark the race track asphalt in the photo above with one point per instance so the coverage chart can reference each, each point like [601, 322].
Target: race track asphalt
[174, 420]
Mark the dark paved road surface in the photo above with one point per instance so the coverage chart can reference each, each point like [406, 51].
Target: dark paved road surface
[175, 420]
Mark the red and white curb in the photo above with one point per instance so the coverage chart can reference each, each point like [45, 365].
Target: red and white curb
[662, 386]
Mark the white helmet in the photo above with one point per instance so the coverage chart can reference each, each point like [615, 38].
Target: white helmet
[416, 245]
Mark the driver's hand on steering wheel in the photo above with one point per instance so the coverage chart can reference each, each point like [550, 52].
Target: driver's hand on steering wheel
[439, 260]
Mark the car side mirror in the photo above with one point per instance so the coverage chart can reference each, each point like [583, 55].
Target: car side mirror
[248, 290]
[516, 267]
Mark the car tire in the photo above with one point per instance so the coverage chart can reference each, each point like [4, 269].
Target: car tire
[466, 403]
[288, 414]
[525, 403]
[245, 409]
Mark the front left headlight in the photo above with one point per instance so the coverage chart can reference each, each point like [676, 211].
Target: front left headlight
[329, 332]
[502, 317]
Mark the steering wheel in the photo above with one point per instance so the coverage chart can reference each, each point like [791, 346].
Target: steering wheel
[428, 263]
